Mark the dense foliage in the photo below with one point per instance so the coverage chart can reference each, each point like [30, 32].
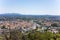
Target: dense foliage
[32, 35]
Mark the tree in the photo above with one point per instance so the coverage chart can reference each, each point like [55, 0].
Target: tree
[40, 36]
[16, 35]
[3, 27]
[54, 25]
[4, 33]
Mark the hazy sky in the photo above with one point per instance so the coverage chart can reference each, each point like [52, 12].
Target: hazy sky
[36, 7]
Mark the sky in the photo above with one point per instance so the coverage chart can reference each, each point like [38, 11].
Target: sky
[30, 7]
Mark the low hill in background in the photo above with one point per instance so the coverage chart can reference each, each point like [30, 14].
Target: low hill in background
[13, 16]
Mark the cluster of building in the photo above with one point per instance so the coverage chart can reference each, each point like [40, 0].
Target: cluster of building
[21, 25]
[53, 27]
[25, 26]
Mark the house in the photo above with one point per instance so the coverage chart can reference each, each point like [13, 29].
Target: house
[53, 30]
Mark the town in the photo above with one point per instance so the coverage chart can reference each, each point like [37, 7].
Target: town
[30, 25]
[24, 25]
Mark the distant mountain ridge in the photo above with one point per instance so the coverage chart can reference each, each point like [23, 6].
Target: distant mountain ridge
[14, 16]
[10, 14]
[17, 14]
